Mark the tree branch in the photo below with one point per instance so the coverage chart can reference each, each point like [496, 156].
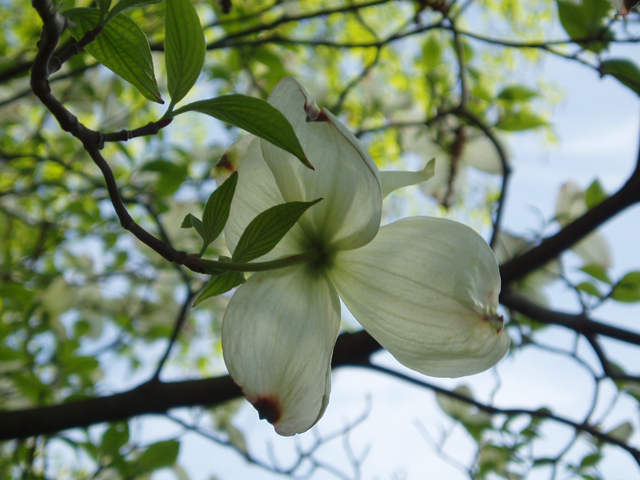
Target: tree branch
[579, 323]
[553, 246]
[155, 397]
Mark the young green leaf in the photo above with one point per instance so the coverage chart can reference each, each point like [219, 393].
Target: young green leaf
[122, 47]
[219, 284]
[158, 455]
[253, 115]
[628, 288]
[216, 211]
[432, 52]
[114, 438]
[597, 272]
[589, 288]
[193, 222]
[184, 48]
[517, 93]
[103, 6]
[265, 231]
[595, 194]
[625, 71]
[124, 5]
[522, 120]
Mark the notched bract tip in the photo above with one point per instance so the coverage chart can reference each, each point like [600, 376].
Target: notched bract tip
[496, 321]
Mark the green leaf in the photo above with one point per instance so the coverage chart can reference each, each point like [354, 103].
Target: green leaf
[253, 115]
[585, 20]
[590, 460]
[625, 71]
[628, 288]
[589, 288]
[122, 47]
[216, 211]
[103, 5]
[114, 438]
[184, 48]
[595, 194]
[9, 355]
[124, 5]
[597, 272]
[219, 284]
[517, 93]
[30, 386]
[191, 221]
[432, 52]
[522, 120]
[158, 455]
[171, 175]
[267, 229]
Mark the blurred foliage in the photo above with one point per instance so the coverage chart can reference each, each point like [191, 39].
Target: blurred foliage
[84, 304]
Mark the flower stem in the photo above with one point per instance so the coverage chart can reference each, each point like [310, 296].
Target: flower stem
[307, 257]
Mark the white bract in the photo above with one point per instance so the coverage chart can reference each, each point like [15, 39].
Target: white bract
[425, 288]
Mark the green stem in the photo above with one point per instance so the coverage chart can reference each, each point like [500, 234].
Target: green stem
[307, 257]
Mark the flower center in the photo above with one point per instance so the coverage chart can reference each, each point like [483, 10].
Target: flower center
[326, 257]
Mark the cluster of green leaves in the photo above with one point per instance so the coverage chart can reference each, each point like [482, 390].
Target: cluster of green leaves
[589, 20]
[113, 453]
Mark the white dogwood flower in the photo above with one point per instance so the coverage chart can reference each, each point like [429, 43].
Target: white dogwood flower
[425, 288]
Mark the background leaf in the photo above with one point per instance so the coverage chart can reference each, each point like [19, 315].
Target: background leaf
[122, 47]
[184, 48]
[625, 71]
[158, 455]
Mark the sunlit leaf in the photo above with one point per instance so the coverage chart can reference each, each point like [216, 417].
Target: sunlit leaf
[124, 5]
[517, 93]
[253, 115]
[597, 272]
[184, 48]
[122, 47]
[595, 194]
[267, 229]
[628, 288]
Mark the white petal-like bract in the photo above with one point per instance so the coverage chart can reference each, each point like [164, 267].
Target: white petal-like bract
[345, 176]
[278, 335]
[427, 289]
[392, 181]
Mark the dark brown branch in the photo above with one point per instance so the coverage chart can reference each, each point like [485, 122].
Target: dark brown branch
[151, 128]
[552, 247]
[182, 316]
[579, 323]
[53, 25]
[155, 397]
